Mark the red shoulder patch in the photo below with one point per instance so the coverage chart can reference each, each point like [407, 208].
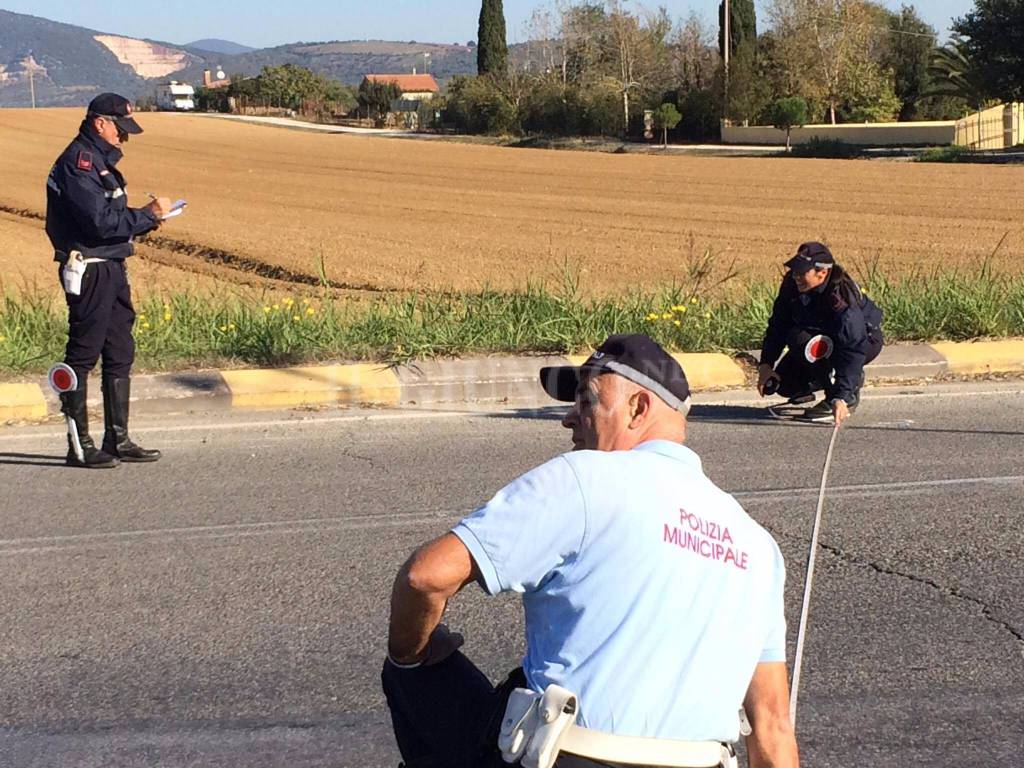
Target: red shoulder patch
[84, 161]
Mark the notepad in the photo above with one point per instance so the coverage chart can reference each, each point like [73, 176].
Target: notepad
[176, 210]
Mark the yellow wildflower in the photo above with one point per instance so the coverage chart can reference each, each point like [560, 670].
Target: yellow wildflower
[3, 339]
[310, 311]
[693, 300]
[142, 316]
[678, 323]
[223, 328]
[277, 307]
[145, 325]
[666, 316]
[682, 310]
[296, 318]
[678, 308]
[707, 314]
[167, 317]
[231, 326]
[265, 309]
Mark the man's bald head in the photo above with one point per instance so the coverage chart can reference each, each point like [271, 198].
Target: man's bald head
[612, 413]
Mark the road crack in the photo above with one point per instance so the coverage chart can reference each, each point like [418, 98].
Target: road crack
[987, 611]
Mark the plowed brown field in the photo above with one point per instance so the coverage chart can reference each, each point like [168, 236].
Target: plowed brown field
[395, 214]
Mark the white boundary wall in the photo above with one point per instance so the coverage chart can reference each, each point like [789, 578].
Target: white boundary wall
[936, 133]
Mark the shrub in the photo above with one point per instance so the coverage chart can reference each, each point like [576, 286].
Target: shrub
[476, 105]
[827, 148]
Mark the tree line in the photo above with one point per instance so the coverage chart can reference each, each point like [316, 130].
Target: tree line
[594, 67]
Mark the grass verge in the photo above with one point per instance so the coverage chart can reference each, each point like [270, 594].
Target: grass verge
[185, 330]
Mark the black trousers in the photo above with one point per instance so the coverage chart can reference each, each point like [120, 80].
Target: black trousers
[449, 715]
[100, 322]
[799, 377]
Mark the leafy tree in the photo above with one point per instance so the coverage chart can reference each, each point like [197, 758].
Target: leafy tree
[700, 117]
[789, 113]
[492, 50]
[993, 42]
[908, 51]
[749, 90]
[477, 105]
[825, 46]
[376, 96]
[666, 117]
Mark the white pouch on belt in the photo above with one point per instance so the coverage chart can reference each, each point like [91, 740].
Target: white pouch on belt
[72, 272]
[534, 725]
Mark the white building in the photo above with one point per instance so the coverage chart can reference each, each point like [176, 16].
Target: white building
[175, 96]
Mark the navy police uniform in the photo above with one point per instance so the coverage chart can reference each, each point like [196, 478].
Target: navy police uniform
[831, 331]
[91, 228]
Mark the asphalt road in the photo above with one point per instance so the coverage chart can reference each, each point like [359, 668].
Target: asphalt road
[227, 605]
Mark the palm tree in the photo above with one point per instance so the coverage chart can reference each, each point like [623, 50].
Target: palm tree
[954, 75]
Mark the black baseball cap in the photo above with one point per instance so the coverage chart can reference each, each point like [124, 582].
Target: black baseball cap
[117, 108]
[809, 256]
[633, 356]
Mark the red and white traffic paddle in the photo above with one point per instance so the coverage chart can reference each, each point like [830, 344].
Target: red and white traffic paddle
[62, 378]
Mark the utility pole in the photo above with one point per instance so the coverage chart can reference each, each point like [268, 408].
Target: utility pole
[31, 82]
[726, 46]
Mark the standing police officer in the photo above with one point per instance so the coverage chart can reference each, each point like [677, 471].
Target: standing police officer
[832, 331]
[91, 228]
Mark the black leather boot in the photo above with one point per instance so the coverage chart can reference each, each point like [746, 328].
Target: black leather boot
[116, 394]
[82, 451]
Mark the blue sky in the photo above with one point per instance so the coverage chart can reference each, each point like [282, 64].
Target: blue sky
[264, 24]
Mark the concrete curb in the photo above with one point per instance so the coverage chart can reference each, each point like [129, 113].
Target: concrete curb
[435, 382]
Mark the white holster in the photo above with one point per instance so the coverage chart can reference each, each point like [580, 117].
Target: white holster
[72, 272]
[537, 726]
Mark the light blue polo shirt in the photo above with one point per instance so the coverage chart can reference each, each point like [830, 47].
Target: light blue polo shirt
[648, 591]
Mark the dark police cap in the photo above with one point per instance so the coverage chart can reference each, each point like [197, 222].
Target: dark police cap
[118, 109]
[633, 356]
[811, 255]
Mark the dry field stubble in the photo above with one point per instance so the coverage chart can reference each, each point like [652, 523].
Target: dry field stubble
[388, 214]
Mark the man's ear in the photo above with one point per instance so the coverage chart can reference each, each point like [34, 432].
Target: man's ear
[639, 407]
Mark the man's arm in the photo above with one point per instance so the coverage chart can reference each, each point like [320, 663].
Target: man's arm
[772, 742]
[95, 213]
[433, 574]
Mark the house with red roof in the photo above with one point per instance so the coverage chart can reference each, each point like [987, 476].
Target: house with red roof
[414, 87]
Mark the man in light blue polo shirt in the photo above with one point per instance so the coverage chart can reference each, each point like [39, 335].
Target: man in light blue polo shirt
[647, 590]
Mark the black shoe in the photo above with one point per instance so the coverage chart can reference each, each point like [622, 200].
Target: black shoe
[116, 395]
[820, 413]
[82, 451]
[801, 399]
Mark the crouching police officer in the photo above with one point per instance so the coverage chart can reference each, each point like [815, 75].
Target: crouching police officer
[832, 331]
[91, 228]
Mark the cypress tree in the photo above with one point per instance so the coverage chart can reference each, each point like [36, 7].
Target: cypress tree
[742, 24]
[491, 51]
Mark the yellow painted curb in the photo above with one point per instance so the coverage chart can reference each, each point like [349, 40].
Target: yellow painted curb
[982, 356]
[21, 401]
[704, 370]
[344, 384]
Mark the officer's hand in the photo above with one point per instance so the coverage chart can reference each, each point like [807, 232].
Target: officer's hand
[764, 374]
[840, 411]
[442, 644]
[159, 206]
